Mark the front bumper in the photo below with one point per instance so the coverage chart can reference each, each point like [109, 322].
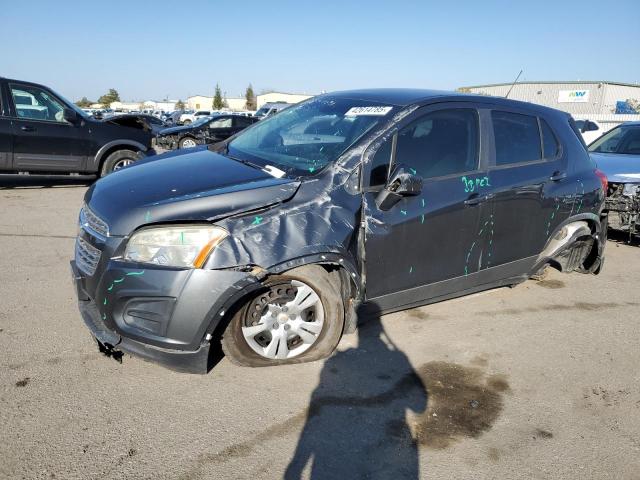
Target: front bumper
[159, 314]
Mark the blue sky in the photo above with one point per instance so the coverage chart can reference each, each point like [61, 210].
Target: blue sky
[148, 49]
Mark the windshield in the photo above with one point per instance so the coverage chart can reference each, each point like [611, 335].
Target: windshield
[622, 140]
[306, 137]
[262, 111]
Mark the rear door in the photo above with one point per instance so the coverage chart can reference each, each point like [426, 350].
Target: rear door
[6, 132]
[527, 176]
[432, 244]
[43, 140]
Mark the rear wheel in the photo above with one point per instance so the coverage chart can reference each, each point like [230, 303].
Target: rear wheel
[297, 317]
[186, 122]
[118, 160]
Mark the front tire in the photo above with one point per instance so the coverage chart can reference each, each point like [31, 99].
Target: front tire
[297, 317]
[118, 160]
[187, 142]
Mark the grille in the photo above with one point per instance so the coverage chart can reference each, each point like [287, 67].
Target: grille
[87, 256]
[95, 225]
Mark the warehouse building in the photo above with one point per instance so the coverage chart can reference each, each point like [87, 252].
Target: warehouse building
[603, 101]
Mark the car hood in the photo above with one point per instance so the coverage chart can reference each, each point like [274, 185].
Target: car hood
[617, 167]
[196, 185]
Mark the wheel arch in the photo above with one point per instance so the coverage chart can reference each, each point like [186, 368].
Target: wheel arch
[113, 146]
[579, 228]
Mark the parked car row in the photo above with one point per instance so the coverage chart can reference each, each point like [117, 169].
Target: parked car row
[206, 130]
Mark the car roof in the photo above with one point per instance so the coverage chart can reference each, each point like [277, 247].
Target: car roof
[403, 97]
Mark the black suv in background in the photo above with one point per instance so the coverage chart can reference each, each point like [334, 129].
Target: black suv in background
[203, 131]
[385, 199]
[42, 132]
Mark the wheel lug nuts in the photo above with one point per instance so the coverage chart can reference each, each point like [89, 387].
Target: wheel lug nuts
[287, 327]
[275, 326]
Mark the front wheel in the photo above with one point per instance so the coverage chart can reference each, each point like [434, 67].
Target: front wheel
[187, 142]
[118, 160]
[297, 317]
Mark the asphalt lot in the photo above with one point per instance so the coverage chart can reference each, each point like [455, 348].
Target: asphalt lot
[538, 381]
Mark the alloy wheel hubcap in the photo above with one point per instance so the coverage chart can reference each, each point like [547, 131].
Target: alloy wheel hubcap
[284, 322]
[122, 163]
[188, 143]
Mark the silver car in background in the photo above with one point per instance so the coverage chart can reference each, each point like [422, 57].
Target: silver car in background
[617, 154]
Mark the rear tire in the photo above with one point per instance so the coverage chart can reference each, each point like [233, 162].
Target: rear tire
[258, 310]
[186, 122]
[118, 160]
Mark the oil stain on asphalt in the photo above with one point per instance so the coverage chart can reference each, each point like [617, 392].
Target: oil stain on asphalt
[463, 403]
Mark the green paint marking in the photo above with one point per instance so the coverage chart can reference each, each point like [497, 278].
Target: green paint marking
[311, 169]
[421, 218]
[413, 170]
[110, 287]
[257, 221]
[141, 272]
[147, 216]
[104, 316]
[466, 270]
[490, 242]
[181, 238]
[105, 302]
[423, 202]
[404, 212]
[410, 269]
[120, 280]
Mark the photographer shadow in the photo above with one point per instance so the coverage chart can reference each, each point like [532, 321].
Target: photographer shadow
[357, 425]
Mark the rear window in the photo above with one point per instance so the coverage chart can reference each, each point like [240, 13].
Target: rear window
[550, 146]
[517, 138]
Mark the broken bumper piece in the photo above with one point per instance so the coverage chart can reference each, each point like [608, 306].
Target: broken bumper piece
[114, 345]
[163, 315]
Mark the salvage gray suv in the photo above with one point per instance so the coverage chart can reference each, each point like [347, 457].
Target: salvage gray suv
[270, 241]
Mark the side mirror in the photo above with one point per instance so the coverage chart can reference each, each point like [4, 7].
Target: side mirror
[402, 183]
[70, 116]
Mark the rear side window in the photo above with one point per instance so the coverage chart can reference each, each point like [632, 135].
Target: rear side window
[444, 142]
[517, 138]
[550, 147]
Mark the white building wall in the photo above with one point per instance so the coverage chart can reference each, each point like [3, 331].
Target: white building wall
[601, 97]
[280, 97]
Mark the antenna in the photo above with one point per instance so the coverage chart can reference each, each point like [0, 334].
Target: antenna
[513, 84]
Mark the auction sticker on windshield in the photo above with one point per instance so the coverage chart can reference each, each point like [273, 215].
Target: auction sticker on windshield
[373, 111]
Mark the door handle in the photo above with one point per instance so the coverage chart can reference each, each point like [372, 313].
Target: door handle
[557, 176]
[476, 199]
[28, 128]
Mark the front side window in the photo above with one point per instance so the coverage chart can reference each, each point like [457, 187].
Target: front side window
[37, 104]
[308, 136]
[444, 142]
[221, 123]
[517, 138]
[623, 140]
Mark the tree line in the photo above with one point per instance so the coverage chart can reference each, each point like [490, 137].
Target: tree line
[219, 100]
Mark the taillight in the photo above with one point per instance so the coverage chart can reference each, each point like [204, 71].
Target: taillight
[603, 180]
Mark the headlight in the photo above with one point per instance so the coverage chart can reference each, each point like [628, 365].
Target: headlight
[176, 246]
